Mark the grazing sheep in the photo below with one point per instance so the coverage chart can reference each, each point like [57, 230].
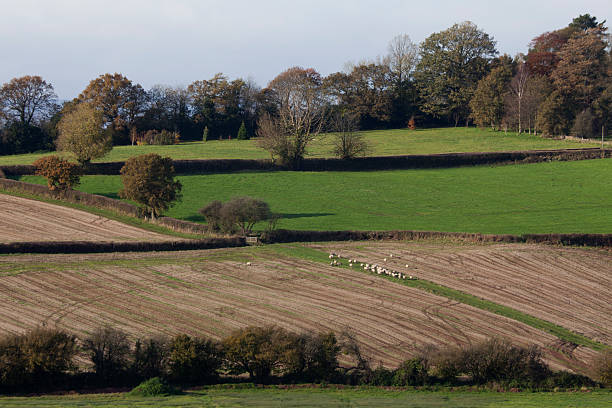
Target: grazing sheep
[385, 259]
[248, 264]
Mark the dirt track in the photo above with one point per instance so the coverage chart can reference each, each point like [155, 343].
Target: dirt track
[214, 292]
[22, 220]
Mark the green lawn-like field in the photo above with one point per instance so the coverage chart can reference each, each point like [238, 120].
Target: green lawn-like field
[554, 197]
[352, 397]
[382, 142]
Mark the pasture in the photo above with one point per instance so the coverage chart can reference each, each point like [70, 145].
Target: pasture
[213, 292]
[325, 397]
[382, 143]
[554, 197]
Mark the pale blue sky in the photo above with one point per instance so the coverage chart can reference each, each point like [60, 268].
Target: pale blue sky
[174, 42]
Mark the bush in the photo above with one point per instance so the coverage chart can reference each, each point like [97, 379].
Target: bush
[148, 179]
[603, 367]
[411, 372]
[109, 351]
[238, 214]
[150, 357]
[318, 357]
[156, 137]
[38, 357]
[193, 360]
[261, 352]
[61, 175]
[499, 360]
[348, 144]
[153, 387]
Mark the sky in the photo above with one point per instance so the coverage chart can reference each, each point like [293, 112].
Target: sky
[175, 42]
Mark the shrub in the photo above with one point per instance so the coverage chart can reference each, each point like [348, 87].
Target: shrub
[38, 357]
[109, 351]
[193, 360]
[61, 175]
[238, 214]
[153, 387]
[603, 367]
[157, 137]
[411, 372]
[261, 352]
[318, 356]
[499, 360]
[348, 144]
[242, 132]
[148, 179]
[150, 357]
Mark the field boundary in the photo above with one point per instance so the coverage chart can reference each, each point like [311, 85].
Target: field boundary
[81, 247]
[429, 161]
[289, 236]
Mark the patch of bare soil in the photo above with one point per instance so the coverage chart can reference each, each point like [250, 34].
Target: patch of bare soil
[22, 220]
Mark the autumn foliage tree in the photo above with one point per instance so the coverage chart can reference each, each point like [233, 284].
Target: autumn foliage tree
[148, 179]
[119, 100]
[487, 105]
[81, 133]
[61, 174]
[27, 99]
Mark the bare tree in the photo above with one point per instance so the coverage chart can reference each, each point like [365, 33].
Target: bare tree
[518, 86]
[299, 98]
[403, 56]
[347, 143]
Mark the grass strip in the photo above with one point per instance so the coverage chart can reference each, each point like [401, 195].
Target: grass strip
[135, 222]
[560, 332]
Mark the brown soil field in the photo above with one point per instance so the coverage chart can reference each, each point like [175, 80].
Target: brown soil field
[213, 292]
[23, 220]
[571, 287]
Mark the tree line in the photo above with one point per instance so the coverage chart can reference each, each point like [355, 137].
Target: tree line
[456, 76]
[45, 359]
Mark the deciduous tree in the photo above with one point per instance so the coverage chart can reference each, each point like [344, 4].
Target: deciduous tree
[299, 99]
[487, 104]
[148, 179]
[451, 64]
[27, 99]
[81, 133]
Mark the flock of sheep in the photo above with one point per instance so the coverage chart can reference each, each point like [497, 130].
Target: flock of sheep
[374, 268]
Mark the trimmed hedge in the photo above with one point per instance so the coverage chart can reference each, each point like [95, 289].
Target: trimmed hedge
[81, 247]
[443, 160]
[286, 236]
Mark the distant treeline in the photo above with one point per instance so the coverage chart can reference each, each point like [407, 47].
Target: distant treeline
[46, 359]
[560, 86]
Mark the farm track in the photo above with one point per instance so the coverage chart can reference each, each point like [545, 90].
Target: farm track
[23, 220]
[211, 293]
[567, 286]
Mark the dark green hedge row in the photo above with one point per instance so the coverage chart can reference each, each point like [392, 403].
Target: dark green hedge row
[79, 247]
[359, 164]
[283, 236]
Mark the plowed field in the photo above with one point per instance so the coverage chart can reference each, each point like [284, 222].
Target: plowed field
[567, 286]
[214, 292]
[22, 220]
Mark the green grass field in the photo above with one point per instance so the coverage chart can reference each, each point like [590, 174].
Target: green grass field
[351, 397]
[555, 197]
[383, 143]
